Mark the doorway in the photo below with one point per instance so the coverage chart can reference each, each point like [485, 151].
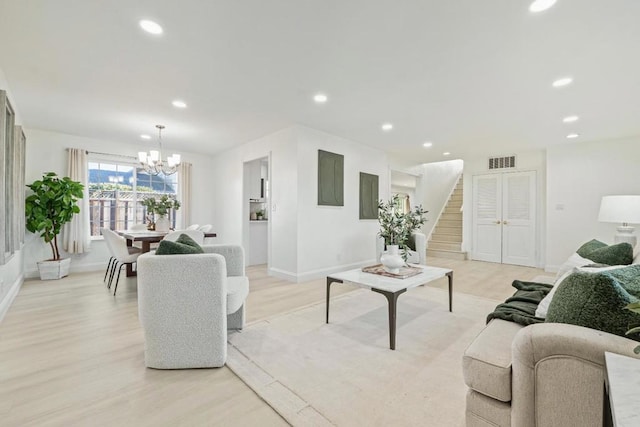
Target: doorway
[256, 198]
[504, 218]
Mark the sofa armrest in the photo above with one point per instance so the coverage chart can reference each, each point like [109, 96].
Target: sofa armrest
[233, 255]
[558, 374]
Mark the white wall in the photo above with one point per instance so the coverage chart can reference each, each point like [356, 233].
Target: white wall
[525, 161]
[578, 175]
[46, 152]
[434, 188]
[306, 240]
[12, 272]
[231, 207]
[332, 238]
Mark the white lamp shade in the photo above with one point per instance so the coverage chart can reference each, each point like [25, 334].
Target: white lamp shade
[620, 209]
[154, 155]
[142, 156]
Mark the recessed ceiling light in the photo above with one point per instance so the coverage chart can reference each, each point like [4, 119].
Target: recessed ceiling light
[562, 82]
[151, 27]
[427, 144]
[320, 98]
[540, 5]
[145, 136]
[446, 153]
[572, 136]
[570, 119]
[387, 127]
[179, 104]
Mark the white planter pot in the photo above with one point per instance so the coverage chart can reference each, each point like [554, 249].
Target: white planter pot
[54, 270]
[392, 260]
[163, 224]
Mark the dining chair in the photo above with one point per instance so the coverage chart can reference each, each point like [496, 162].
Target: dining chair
[205, 228]
[121, 255]
[193, 227]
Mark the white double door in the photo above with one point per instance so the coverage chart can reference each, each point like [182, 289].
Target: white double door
[504, 218]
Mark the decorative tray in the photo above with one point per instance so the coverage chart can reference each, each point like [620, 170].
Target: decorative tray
[406, 271]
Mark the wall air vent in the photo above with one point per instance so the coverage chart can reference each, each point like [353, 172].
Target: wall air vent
[507, 162]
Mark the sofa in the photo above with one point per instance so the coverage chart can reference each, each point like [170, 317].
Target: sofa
[544, 374]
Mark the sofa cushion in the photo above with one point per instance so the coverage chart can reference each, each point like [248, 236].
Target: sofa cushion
[486, 364]
[237, 292]
[573, 261]
[597, 300]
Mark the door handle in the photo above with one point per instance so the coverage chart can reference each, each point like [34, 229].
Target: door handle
[497, 222]
[505, 222]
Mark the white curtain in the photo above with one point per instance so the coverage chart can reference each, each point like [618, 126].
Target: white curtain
[184, 194]
[76, 233]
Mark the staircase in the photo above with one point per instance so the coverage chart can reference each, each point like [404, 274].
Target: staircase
[446, 238]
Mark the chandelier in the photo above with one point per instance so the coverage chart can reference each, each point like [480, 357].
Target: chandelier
[152, 162]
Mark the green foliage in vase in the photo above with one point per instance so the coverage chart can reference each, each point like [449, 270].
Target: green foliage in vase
[635, 307]
[396, 226]
[52, 204]
[162, 206]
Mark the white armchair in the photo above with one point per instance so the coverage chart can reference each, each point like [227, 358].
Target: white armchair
[186, 303]
[419, 256]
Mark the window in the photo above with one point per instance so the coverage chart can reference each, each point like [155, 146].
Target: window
[116, 192]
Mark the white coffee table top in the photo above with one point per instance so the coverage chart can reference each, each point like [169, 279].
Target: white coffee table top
[370, 280]
[623, 381]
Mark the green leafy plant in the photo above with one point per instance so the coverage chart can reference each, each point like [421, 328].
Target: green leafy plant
[396, 226]
[52, 204]
[162, 206]
[635, 307]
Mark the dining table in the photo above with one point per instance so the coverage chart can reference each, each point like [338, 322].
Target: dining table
[146, 238]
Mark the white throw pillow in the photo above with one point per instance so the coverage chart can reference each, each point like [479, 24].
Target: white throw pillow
[543, 307]
[574, 260]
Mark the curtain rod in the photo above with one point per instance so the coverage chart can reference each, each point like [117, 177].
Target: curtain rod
[109, 154]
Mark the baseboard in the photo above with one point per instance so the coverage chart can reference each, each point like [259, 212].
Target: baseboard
[11, 295]
[84, 268]
[316, 274]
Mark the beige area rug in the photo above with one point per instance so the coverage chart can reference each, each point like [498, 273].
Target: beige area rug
[344, 373]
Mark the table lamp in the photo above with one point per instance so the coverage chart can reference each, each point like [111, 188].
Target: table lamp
[621, 209]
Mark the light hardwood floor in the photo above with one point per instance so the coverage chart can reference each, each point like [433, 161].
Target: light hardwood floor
[72, 354]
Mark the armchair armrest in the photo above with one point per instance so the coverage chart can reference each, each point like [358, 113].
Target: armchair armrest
[233, 255]
[558, 374]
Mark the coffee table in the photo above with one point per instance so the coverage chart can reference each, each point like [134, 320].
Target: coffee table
[391, 288]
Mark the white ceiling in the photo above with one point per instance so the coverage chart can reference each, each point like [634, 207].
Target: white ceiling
[471, 76]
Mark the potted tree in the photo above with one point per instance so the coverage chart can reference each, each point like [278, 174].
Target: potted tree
[162, 208]
[52, 204]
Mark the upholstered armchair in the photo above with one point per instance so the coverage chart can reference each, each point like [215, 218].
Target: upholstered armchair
[186, 303]
[417, 256]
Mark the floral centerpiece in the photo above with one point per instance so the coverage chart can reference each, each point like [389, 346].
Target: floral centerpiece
[160, 207]
[396, 225]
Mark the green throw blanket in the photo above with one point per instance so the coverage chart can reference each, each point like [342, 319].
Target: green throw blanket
[521, 307]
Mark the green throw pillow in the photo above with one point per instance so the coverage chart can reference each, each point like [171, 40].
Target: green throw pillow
[620, 254]
[596, 251]
[186, 240]
[183, 245]
[593, 300]
[589, 247]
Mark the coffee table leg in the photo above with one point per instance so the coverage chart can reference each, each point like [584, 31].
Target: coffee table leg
[392, 298]
[450, 276]
[330, 280]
